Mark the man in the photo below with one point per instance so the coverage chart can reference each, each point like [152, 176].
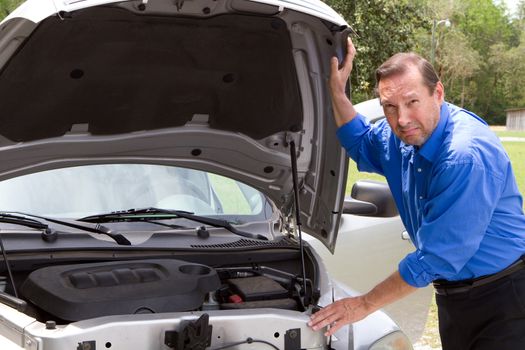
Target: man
[456, 194]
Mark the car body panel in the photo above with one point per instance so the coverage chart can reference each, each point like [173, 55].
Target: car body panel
[39, 10]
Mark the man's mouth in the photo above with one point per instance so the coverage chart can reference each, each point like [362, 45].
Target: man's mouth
[409, 132]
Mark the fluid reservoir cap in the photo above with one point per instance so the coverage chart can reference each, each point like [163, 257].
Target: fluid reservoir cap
[235, 298]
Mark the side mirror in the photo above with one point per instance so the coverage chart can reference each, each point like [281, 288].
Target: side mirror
[370, 198]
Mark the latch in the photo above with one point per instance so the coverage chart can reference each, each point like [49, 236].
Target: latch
[191, 335]
[292, 339]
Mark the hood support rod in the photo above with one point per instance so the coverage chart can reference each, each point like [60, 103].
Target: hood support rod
[8, 267]
[293, 157]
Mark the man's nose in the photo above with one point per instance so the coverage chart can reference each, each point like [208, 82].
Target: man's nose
[403, 118]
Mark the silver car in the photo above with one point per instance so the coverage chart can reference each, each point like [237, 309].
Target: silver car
[160, 161]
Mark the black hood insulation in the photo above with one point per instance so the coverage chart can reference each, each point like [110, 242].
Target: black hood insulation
[113, 71]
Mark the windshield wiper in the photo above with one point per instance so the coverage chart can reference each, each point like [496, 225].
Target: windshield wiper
[22, 219]
[153, 213]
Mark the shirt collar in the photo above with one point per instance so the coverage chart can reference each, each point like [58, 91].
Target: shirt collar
[431, 146]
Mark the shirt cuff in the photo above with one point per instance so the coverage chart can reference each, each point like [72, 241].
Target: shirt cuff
[413, 273]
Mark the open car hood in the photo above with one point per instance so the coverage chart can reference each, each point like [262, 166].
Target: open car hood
[220, 86]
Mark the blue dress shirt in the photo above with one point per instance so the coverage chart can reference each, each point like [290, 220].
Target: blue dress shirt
[456, 194]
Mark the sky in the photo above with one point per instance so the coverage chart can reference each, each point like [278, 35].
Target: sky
[512, 5]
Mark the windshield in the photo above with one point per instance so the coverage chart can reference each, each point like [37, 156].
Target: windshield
[86, 190]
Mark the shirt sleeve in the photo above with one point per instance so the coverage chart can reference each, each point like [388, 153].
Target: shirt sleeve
[361, 143]
[454, 218]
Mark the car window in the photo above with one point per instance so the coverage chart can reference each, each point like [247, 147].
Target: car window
[85, 190]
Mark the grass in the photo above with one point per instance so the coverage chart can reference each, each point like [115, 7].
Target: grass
[230, 196]
[354, 175]
[430, 338]
[505, 133]
[516, 151]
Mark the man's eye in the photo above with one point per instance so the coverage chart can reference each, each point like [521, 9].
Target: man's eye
[389, 107]
[413, 102]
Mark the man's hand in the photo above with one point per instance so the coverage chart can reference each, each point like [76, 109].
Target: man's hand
[343, 109]
[340, 313]
[339, 77]
[350, 310]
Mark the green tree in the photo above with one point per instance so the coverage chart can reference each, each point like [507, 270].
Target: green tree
[486, 24]
[521, 13]
[509, 66]
[458, 62]
[464, 54]
[384, 27]
[7, 6]
[479, 57]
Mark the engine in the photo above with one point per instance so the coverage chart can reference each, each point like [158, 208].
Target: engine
[82, 291]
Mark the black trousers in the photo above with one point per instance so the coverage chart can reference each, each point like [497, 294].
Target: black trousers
[488, 317]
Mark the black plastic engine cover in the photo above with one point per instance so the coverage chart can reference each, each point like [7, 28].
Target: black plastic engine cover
[82, 291]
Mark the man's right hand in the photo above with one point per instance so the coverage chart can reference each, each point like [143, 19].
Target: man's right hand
[339, 76]
[343, 109]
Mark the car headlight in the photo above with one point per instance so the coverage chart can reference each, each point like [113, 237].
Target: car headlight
[393, 341]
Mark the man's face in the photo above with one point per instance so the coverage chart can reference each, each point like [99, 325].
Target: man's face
[410, 109]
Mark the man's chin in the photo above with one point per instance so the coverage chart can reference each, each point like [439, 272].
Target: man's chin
[413, 140]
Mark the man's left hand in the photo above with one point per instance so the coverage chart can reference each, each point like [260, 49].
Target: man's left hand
[340, 313]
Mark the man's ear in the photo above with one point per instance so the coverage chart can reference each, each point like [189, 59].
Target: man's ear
[440, 92]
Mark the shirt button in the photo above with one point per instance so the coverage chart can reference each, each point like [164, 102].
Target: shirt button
[419, 170]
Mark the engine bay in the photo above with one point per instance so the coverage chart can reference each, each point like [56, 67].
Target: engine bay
[208, 297]
[78, 292]
[68, 293]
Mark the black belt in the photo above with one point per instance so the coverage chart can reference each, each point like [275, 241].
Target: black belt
[456, 287]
